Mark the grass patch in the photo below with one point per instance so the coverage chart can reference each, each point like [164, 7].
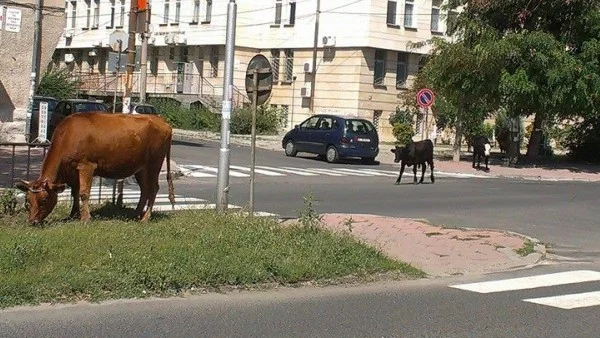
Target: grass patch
[528, 248]
[115, 256]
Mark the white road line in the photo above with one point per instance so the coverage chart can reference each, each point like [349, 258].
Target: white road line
[316, 170]
[216, 170]
[358, 172]
[198, 174]
[569, 302]
[553, 279]
[297, 172]
[260, 171]
[375, 172]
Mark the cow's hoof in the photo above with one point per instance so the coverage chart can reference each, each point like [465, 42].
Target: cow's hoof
[397, 183]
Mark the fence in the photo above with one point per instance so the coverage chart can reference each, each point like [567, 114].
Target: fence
[17, 163]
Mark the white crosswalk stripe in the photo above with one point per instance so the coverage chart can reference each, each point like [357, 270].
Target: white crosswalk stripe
[564, 301]
[161, 202]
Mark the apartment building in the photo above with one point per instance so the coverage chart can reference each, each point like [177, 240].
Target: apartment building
[364, 58]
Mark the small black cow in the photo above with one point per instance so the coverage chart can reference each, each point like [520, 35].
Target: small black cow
[481, 149]
[416, 153]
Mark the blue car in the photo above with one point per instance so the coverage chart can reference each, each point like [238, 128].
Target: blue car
[333, 137]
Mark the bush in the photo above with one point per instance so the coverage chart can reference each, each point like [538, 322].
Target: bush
[58, 83]
[268, 120]
[401, 116]
[184, 118]
[403, 132]
[502, 130]
[583, 141]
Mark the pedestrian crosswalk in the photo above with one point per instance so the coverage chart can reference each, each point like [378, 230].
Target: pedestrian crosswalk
[203, 171]
[561, 301]
[161, 203]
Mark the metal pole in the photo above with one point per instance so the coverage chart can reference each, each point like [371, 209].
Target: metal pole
[144, 55]
[118, 74]
[224, 152]
[130, 55]
[35, 65]
[314, 60]
[253, 138]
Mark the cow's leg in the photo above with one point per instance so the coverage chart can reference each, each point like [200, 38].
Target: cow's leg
[86, 174]
[423, 168]
[401, 172]
[431, 168]
[141, 178]
[415, 174]
[75, 212]
[487, 158]
[474, 155]
[120, 193]
[153, 187]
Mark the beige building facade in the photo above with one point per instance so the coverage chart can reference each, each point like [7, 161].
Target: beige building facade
[16, 41]
[364, 55]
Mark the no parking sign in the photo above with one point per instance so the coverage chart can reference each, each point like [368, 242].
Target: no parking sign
[425, 97]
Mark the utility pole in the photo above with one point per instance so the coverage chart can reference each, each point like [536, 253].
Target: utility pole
[130, 66]
[314, 60]
[144, 55]
[35, 65]
[224, 152]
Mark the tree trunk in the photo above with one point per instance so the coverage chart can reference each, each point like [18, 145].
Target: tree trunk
[457, 139]
[535, 140]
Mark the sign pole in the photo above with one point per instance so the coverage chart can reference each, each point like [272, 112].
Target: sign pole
[253, 140]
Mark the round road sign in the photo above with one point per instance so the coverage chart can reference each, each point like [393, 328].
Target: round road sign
[116, 37]
[265, 78]
[425, 97]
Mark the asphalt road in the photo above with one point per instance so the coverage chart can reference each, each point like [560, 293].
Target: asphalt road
[564, 215]
[422, 308]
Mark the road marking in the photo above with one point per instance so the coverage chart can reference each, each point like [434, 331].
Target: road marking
[216, 170]
[358, 172]
[568, 302]
[260, 171]
[317, 170]
[380, 172]
[553, 279]
[297, 172]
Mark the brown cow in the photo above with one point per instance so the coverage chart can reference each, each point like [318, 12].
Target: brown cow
[113, 146]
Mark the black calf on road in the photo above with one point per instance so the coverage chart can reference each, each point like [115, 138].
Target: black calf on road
[415, 153]
[481, 149]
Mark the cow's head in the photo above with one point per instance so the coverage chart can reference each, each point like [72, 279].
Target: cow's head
[41, 197]
[401, 153]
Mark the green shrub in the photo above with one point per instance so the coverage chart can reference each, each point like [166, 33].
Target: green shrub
[268, 120]
[185, 118]
[403, 132]
[59, 83]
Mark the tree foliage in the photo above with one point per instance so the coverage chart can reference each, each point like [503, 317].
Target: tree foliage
[58, 83]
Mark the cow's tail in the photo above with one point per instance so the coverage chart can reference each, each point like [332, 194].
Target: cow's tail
[170, 177]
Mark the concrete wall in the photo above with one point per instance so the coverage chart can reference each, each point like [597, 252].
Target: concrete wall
[15, 63]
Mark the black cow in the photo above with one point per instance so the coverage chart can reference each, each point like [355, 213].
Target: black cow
[416, 153]
[481, 149]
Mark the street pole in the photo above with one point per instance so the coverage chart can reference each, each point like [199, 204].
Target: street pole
[253, 138]
[118, 75]
[224, 152]
[35, 65]
[314, 60]
[144, 55]
[130, 66]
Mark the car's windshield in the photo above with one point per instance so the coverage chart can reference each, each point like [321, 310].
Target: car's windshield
[359, 126]
[88, 106]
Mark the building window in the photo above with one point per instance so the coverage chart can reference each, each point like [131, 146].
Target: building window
[88, 13]
[96, 14]
[121, 14]
[289, 65]
[376, 117]
[391, 12]
[214, 61]
[183, 54]
[379, 71]
[172, 53]
[177, 10]
[278, 9]
[401, 70]
[112, 14]
[409, 6]
[275, 64]
[435, 15]
[102, 61]
[196, 16]
[451, 22]
[285, 12]
[166, 12]
[91, 61]
[285, 110]
[73, 14]
[154, 61]
[208, 16]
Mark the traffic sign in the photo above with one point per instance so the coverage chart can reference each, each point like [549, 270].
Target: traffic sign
[265, 78]
[118, 41]
[425, 97]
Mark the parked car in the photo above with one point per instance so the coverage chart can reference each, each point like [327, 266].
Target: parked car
[136, 108]
[35, 114]
[333, 137]
[71, 106]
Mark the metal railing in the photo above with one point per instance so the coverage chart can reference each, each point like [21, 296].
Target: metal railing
[165, 83]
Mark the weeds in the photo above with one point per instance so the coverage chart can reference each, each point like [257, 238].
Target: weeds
[8, 202]
[308, 216]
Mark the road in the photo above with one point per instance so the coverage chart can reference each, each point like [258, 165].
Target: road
[422, 308]
[561, 214]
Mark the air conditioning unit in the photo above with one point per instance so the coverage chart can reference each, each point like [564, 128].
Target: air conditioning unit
[69, 58]
[93, 52]
[305, 90]
[329, 41]
[307, 66]
[69, 33]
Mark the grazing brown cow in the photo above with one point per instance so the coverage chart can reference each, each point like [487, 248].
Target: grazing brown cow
[113, 146]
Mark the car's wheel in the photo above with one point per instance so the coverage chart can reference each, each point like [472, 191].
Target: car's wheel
[290, 148]
[332, 155]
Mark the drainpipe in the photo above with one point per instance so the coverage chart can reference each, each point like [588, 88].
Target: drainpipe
[293, 96]
[35, 63]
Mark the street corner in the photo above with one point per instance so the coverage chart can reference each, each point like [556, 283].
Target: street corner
[438, 250]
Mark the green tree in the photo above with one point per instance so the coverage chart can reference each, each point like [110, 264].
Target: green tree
[59, 83]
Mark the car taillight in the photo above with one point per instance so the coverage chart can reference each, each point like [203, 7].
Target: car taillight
[345, 139]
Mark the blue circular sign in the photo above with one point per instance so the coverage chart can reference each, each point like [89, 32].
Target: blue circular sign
[425, 97]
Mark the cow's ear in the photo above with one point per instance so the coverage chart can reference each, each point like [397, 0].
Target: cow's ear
[393, 150]
[22, 185]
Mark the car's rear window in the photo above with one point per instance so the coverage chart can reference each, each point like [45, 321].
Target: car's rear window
[89, 106]
[359, 126]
